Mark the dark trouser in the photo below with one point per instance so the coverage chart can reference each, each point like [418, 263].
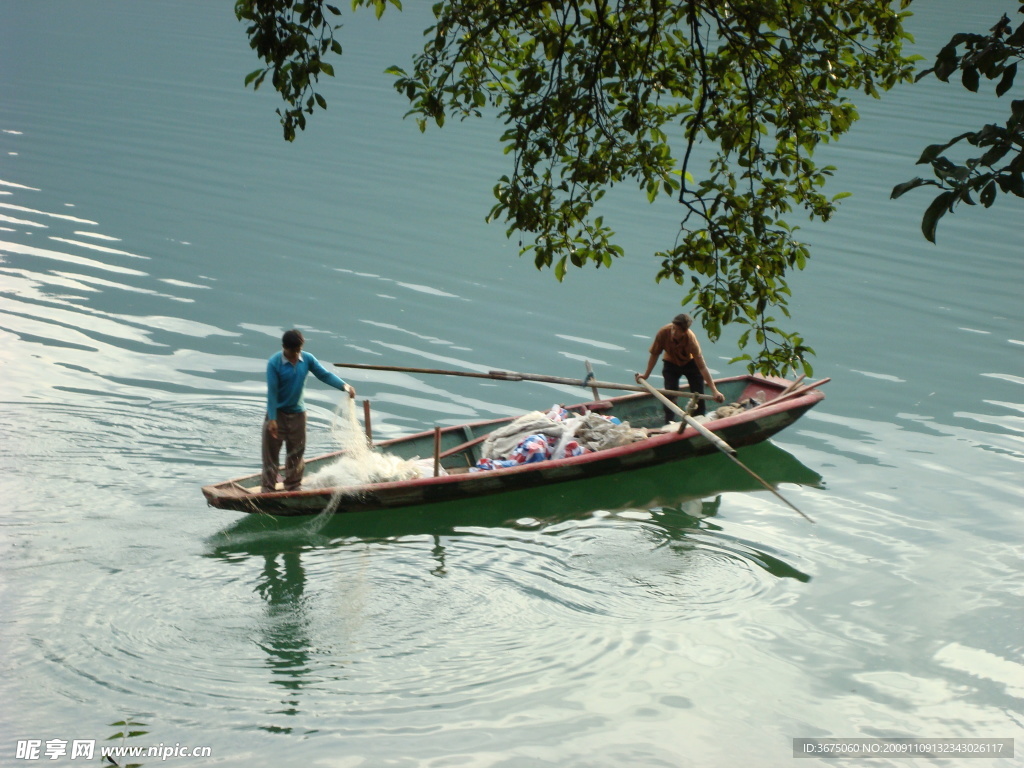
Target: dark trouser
[291, 431]
[672, 373]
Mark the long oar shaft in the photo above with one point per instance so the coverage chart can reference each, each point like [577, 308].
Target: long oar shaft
[790, 393]
[514, 376]
[718, 442]
[714, 439]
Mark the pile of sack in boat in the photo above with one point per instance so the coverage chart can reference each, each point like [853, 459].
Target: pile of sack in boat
[732, 409]
[556, 434]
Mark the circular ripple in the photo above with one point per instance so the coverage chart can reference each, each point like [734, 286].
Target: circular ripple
[276, 618]
[626, 569]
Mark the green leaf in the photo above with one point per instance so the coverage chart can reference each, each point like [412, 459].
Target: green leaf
[906, 186]
[970, 79]
[1017, 38]
[938, 208]
[988, 194]
[932, 152]
[994, 155]
[946, 63]
[1006, 81]
[1016, 184]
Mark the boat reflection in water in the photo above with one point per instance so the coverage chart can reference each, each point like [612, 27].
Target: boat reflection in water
[645, 549]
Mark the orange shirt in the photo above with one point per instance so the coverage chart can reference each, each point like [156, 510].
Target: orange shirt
[679, 347]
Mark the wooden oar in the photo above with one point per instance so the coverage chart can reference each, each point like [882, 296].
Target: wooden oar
[716, 441]
[513, 376]
[794, 385]
[789, 393]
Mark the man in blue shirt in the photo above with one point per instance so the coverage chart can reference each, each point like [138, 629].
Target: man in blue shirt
[286, 412]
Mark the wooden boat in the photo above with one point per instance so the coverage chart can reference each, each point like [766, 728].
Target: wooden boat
[781, 403]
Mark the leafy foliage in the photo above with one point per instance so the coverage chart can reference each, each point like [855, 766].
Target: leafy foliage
[292, 37]
[127, 725]
[1000, 166]
[719, 105]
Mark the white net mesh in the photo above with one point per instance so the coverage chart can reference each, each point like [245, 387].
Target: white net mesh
[361, 463]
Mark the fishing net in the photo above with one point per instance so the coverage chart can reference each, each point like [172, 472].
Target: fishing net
[361, 463]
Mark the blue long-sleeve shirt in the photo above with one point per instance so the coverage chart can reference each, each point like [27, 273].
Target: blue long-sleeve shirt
[285, 382]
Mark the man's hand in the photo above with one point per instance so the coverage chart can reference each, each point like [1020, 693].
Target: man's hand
[272, 428]
[719, 397]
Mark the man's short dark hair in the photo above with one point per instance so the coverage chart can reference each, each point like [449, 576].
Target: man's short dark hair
[683, 321]
[292, 339]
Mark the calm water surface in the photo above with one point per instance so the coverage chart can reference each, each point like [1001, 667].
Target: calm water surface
[157, 235]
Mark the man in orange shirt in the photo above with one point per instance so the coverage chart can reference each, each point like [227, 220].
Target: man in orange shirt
[680, 351]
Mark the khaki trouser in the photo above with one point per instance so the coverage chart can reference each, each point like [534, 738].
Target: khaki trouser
[291, 431]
